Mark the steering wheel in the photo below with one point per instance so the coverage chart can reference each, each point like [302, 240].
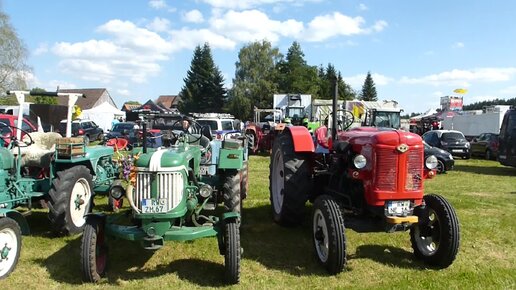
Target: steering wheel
[192, 123]
[346, 120]
[13, 137]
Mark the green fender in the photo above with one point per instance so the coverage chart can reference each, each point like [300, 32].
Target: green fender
[18, 218]
[230, 215]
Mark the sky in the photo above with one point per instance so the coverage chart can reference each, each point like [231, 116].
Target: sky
[416, 51]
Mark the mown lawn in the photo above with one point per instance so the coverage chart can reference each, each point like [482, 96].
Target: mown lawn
[482, 192]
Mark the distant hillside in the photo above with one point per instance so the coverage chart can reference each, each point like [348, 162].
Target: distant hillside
[480, 105]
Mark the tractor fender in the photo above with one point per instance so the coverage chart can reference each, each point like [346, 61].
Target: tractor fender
[230, 216]
[18, 218]
[95, 215]
[302, 139]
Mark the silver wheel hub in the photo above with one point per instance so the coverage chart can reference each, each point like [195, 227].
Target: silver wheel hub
[79, 201]
[427, 240]
[320, 232]
[8, 249]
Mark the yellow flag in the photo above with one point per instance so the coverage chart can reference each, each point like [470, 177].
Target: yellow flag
[460, 91]
[76, 112]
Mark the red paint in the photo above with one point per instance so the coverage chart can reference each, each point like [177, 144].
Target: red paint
[303, 141]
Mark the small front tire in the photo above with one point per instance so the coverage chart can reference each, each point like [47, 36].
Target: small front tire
[232, 253]
[10, 246]
[328, 234]
[436, 237]
[93, 250]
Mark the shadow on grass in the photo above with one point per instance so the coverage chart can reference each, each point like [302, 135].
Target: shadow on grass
[284, 249]
[388, 255]
[499, 171]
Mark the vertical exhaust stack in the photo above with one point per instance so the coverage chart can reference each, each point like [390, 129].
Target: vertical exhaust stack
[144, 137]
[334, 122]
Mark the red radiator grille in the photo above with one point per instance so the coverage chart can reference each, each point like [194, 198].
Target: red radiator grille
[386, 169]
[414, 179]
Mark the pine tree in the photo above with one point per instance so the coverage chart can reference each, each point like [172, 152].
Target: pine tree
[295, 75]
[368, 89]
[203, 90]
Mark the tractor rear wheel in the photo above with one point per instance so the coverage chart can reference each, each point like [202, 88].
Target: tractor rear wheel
[289, 182]
[328, 234]
[70, 198]
[231, 190]
[232, 253]
[436, 237]
[10, 246]
[93, 250]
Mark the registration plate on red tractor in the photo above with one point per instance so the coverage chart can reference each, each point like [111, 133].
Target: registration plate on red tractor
[398, 207]
[154, 205]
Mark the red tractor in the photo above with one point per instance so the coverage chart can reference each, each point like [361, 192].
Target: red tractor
[260, 134]
[371, 181]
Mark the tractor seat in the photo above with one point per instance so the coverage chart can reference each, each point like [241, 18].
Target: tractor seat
[39, 154]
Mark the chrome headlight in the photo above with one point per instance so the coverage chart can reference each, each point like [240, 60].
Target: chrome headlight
[467, 145]
[117, 192]
[359, 161]
[431, 162]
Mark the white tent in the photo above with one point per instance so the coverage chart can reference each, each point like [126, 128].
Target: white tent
[430, 112]
[102, 115]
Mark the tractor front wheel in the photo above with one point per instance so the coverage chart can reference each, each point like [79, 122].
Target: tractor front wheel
[10, 246]
[328, 234]
[232, 253]
[93, 250]
[436, 237]
[289, 182]
[70, 198]
[232, 192]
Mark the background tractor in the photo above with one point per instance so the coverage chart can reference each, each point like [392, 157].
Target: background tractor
[372, 180]
[173, 194]
[65, 176]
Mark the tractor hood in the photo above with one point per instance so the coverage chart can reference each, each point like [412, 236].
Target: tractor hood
[166, 159]
[381, 136]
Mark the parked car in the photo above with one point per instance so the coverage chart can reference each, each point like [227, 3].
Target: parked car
[445, 161]
[12, 123]
[486, 145]
[449, 140]
[125, 130]
[507, 139]
[220, 123]
[82, 127]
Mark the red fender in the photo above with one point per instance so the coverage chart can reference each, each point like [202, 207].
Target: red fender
[303, 142]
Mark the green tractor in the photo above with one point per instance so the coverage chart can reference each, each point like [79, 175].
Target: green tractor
[174, 192]
[65, 178]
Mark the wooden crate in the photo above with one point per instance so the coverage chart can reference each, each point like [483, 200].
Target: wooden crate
[70, 146]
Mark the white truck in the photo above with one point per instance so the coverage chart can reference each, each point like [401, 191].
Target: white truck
[474, 123]
[293, 106]
[375, 113]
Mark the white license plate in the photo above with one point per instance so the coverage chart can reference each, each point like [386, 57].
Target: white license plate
[398, 207]
[266, 131]
[154, 205]
[204, 170]
[456, 150]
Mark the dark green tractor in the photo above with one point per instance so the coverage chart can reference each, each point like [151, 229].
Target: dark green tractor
[65, 178]
[174, 194]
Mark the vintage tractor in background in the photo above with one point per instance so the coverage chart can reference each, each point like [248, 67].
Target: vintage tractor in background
[65, 177]
[372, 180]
[262, 131]
[173, 193]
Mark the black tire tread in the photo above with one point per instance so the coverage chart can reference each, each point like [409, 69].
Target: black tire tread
[88, 246]
[231, 190]
[232, 254]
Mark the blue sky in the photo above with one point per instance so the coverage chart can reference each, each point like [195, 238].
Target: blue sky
[417, 51]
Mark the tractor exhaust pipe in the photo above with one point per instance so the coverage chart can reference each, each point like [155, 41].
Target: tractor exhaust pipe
[144, 137]
[334, 122]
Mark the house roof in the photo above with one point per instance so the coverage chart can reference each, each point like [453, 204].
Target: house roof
[168, 101]
[92, 96]
[130, 107]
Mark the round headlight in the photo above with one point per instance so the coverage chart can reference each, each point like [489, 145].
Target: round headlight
[359, 161]
[205, 190]
[431, 162]
[467, 145]
[117, 192]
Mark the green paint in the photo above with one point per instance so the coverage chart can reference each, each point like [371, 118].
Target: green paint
[231, 159]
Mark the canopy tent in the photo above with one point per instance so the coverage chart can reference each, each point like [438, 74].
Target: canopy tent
[102, 115]
[428, 113]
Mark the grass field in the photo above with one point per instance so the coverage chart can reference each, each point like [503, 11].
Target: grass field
[482, 192]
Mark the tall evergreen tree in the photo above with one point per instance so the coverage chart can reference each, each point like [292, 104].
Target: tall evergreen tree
[327, 84]
[295, 75]
[203, 90]
[254, 82]
[368, 89]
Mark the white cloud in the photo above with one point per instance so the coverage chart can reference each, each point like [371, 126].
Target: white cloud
[189, 38]
[193, 16]
[159, 24]
[41, 49]
[158, 4]
[254, 25]
[458, 45]
[464, 78]
[336, 24]
[357, 81]
[362, 7]
[123, 92]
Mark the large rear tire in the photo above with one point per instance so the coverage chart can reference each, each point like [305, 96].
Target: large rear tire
[436, 237]
[289, 182]
[232, 253]
[93, 251]
[328, 234]
[70, 199]
[10, 246]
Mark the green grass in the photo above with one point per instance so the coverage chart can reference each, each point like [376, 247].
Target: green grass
[482, 192]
